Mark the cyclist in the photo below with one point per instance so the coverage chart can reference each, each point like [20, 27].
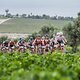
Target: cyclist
[61, 40]
[47, 42]
[11, 43]
[30, 43]
[4, 47]
[37, 42]
[21, 44]
[52, 44]
[42, 40]
[5, 43]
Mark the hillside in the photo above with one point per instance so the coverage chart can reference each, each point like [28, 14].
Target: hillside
[21, 25]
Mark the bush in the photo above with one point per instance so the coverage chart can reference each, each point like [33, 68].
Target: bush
[72, 32]
[28, 66]
[3, 38]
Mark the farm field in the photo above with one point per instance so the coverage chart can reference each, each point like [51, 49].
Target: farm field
[27, 66]
[21, 25]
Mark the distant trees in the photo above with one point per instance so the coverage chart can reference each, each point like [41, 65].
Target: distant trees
[31, 15]
[17, 15]
[8, 14]
[72, 32]
[23, 15]
[2, 15]
[44, 16]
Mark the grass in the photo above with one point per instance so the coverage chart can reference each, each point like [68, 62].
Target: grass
[3, 17]
[21, 25]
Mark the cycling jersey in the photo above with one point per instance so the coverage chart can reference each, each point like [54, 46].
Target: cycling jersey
[42, 42]
[52, 42]
[60, 39]
[21, 43]
[30, 42]
[5, 43]
[46, 41]
[37, 42]
[11, 43]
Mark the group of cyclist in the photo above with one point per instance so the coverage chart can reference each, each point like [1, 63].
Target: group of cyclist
[38, 45]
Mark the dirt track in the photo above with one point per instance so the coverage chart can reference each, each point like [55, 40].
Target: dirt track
[14, 35]
[3, 20]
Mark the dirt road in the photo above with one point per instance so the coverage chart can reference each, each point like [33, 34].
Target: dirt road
[3, 20]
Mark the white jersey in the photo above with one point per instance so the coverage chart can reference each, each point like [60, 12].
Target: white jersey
[60, 38]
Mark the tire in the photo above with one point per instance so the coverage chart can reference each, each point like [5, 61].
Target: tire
[4, 50]
[22, 50]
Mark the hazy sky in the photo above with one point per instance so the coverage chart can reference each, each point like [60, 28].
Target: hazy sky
[50, 7]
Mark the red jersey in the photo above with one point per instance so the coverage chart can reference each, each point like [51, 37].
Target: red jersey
[12, 43]
[37, 42]
[46, 41]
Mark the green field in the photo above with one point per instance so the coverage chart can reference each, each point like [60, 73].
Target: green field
[21, 25]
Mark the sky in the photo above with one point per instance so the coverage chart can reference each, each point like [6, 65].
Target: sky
[49, 7]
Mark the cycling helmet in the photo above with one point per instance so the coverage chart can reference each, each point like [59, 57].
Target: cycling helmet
[57, 34]
[61, 33]
[46, 35]
[38, 35]
[22, 38]
[31, 38]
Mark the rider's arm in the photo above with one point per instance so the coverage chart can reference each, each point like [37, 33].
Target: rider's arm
[65, 39]
[18, 43]
[55, 40]
[34, 42]
[8, 44]
[42, 42]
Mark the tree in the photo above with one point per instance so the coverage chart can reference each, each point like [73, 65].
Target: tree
[37, 17]
[44, 16]
[31, 14]
[9, 15]
[73, 33]
[17, 15]
[7, 10]
[23, 15]
[3, 38]
[47, 30]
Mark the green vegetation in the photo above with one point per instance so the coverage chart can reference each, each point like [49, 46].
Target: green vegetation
[72, 32]
[3, 38]
[3, 17]
[28, 66]
[29, 26]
